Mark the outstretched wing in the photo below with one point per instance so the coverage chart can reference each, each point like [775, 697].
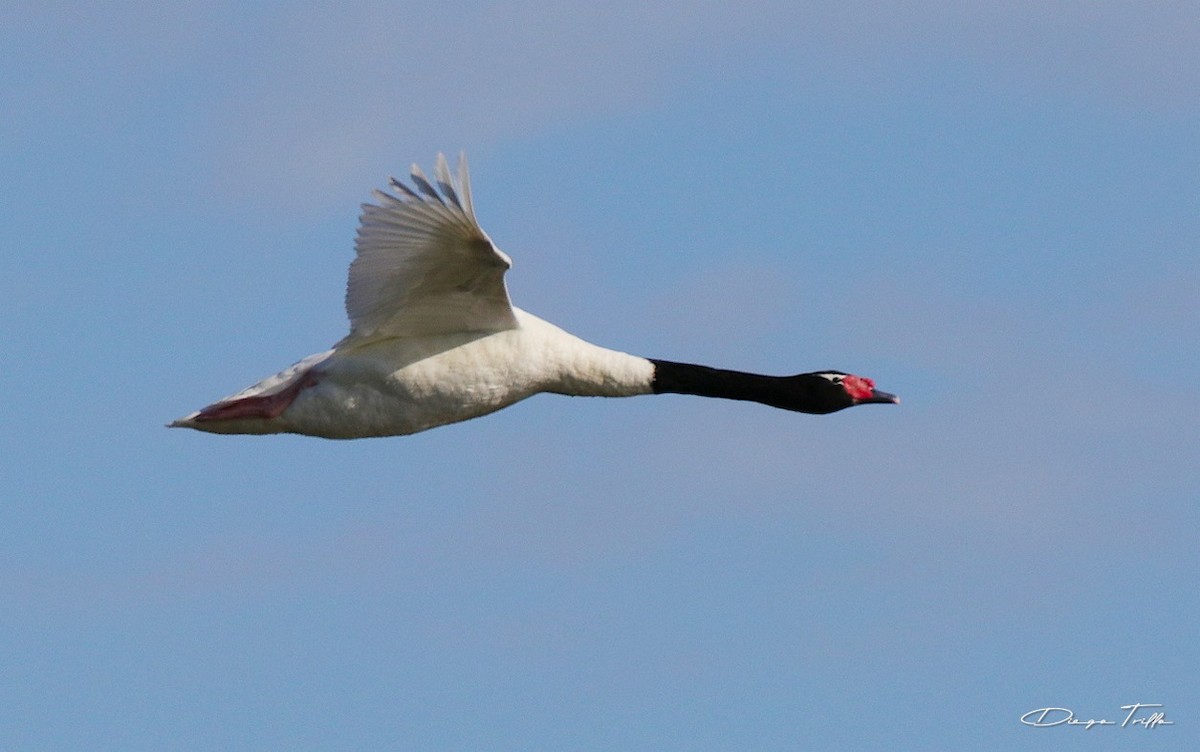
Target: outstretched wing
[424, 266]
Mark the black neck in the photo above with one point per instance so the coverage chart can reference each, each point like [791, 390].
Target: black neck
[805, 392]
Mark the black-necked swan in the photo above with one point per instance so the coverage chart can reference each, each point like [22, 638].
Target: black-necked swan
[434, 339]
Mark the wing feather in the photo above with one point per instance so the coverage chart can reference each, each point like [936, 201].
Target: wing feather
[422, 182]
[400, 187]
[423, 265]
[445, 184]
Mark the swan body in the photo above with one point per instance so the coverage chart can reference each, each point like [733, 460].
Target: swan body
[404, 385]
[434, 340]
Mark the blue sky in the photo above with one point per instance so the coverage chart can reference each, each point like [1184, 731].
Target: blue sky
[991, 209]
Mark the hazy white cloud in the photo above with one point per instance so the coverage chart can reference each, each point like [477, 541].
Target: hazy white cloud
[301, 103]
[321, 100]
[315, 97]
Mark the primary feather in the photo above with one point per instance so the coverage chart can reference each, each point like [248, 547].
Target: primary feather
[424, 266]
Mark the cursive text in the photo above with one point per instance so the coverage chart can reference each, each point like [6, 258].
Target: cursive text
[1139, 714]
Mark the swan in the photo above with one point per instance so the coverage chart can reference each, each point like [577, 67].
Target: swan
[434, 339]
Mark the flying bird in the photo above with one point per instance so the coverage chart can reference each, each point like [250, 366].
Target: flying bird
[434, 339]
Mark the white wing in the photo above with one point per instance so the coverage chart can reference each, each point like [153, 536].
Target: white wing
[424, 266]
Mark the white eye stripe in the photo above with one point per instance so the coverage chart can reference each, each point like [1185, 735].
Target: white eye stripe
[834, 377]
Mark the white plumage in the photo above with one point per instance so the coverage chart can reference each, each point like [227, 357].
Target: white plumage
[434, 339]
[433, 336]
[424, 266]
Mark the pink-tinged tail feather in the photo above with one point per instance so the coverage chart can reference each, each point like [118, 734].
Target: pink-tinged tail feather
[266, 407]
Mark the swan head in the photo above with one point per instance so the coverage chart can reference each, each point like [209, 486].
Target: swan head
[830, 391]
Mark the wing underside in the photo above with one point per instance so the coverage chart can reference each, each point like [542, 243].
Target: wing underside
[424, 266]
